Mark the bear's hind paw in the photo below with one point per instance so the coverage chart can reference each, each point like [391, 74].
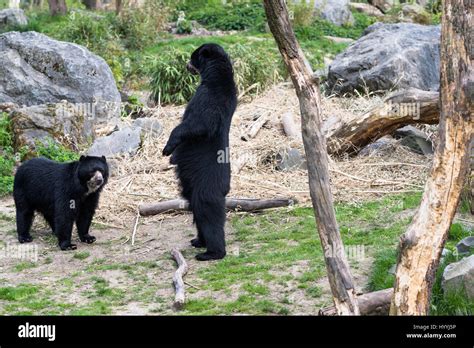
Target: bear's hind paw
[25, 239]
[88, 239]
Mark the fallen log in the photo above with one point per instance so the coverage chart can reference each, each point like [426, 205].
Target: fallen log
[372, 303]
[236, 204]
[410, 106]
[255, 127]
[179, 297]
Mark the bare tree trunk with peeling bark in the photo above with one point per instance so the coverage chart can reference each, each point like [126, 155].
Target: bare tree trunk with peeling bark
[421, 245]
[57, 7]
[307, 90]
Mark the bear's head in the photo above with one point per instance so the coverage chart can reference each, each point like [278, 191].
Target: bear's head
[93, 173]
[208, 55]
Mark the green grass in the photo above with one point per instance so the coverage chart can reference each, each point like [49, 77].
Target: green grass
[441, 304]
[271, 244]
[17, 293]
[24, 265]
[278, 254]
[81, 255]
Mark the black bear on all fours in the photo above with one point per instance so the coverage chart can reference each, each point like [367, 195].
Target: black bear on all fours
[63, 193]
[200, 147]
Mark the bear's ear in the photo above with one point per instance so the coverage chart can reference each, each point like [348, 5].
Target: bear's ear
[104, 159]
[82, 158]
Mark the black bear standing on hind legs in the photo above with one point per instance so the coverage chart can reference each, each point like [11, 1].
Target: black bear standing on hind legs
[63, 193]
[200, 147]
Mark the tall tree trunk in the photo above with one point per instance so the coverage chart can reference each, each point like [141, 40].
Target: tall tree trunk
[91, 4]
[307, 90]
[421, 245]
[14, 4]
[57, 7]
[118, 6]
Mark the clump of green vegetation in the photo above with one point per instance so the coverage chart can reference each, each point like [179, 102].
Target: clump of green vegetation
[24, 265]
[184, 27]
[171, 83]
[247, 15]
[139, 27]
[81, 255]
[7, 158]
[441, 304]
[17, 293]
[321, 27]
[257, 65]
[301, 13]
[54, 151]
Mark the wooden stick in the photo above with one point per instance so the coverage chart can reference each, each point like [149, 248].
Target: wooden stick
[372, 303]
[235, 204]
[255, 127]
[179, 297]
[135, 227]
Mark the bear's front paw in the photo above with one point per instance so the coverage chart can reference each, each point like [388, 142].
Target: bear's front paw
[25, 239]
[67, 246]
[88, 239]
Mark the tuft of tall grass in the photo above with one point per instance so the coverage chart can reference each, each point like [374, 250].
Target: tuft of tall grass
[255, 69]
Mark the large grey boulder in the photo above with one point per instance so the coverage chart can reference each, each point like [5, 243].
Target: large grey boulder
[459, 277]
[12, 17]
[124, 141]
[334, 11]
[415, 139]
[63, 123]
[127, 139]
[290, 159]
[389, 56]
[35, 69]
[465, 245]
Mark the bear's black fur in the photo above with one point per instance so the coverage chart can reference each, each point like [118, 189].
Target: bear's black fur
[63, 193]
[200, 147]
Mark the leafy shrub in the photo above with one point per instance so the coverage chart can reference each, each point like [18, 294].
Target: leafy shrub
[231, 16]
[55, 151]
[90, 30]
[301, 13]
[184, 27]
[7, 156]
[171, 82]
[256, 66]
[139, 27]
[321, 27]
[5, 131]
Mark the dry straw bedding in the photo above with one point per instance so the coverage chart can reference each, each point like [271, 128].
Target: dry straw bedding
[147, 176]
